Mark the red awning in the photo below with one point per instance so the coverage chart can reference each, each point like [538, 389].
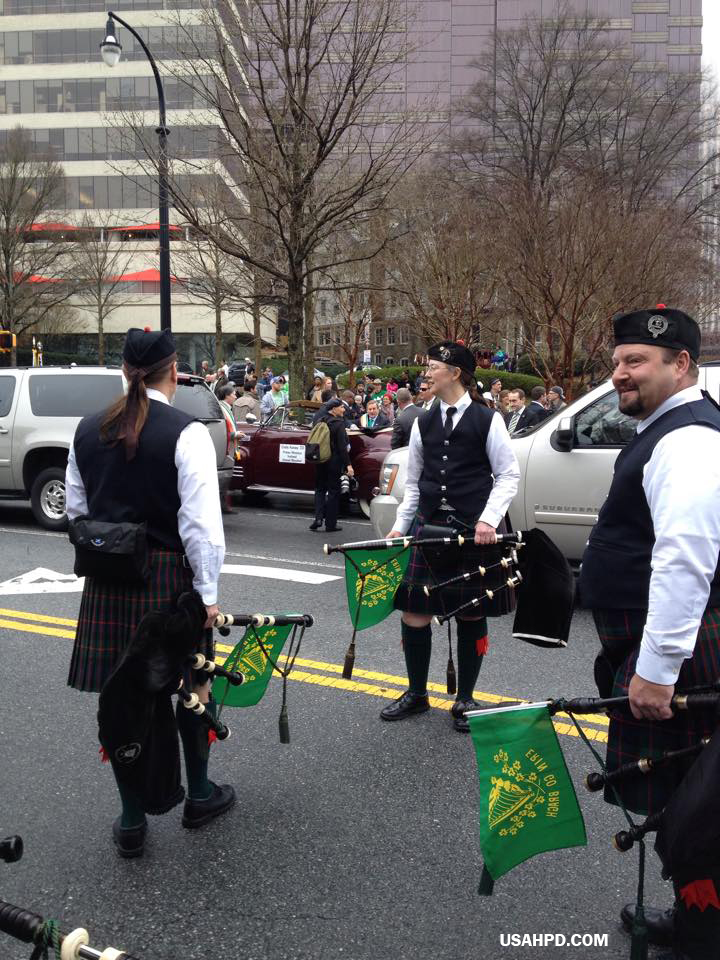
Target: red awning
[140, 227]
[142, 276]
[51, 227]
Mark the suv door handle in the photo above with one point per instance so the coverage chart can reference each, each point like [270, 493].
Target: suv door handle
[3, 430]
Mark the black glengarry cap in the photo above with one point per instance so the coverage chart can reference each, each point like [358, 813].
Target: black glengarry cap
[659, 327]
[454, 354]
[145, 349]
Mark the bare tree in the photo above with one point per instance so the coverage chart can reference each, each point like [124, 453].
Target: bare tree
[594, 182]
[583, 259]
[34, 253]
[350, 329]
[100, 260]
[310, 138]
[445, 264]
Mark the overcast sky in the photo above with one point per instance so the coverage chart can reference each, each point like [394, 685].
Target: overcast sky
[711, 36]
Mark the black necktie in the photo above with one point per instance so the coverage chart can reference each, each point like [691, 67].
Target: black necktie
[449, 414]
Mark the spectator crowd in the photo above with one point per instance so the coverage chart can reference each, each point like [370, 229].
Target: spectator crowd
[374, 404]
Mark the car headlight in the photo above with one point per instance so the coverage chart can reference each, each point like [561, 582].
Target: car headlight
[387, 480]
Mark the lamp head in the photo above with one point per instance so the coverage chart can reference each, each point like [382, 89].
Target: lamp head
[110, 48]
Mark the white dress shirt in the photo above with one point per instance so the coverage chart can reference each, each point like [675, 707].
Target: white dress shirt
[682, 486]
[199, 517]
[503, 462]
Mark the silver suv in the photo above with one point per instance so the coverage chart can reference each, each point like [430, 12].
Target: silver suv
[40, 409]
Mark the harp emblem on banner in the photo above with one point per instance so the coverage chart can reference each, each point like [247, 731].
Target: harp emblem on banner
[512, 798]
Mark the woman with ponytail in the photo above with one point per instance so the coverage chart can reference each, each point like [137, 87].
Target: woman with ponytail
[143, 462]
[461, 467]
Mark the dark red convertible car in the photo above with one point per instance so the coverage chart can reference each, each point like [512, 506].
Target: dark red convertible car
[275, 461]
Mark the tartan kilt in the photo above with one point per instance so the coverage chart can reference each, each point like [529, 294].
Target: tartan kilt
[110, 613]
[424, 571]
[630, 739]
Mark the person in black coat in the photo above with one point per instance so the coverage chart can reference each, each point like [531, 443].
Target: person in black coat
[327, 475]
[522, 417]
[407, 414]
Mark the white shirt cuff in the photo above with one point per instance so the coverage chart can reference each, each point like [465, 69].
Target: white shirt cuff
[208, 592]
[658, 668]
[490, 516]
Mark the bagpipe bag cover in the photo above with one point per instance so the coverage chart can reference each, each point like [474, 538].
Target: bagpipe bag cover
[136, 721]
[546, 595]
[688, 838]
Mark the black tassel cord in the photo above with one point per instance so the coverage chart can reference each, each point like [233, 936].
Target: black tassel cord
[293, 649]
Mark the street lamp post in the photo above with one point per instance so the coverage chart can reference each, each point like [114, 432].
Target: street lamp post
[111, 50]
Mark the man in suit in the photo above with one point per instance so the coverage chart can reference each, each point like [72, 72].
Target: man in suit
[522, 417]
[407, 414]
[425, 396]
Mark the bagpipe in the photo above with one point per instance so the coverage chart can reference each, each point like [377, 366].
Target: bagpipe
[526, 792]
[525, 565]
[169, 655]
[44, 934]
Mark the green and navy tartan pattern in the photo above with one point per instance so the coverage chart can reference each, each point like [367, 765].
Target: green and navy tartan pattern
[628, 739]
[110, 613]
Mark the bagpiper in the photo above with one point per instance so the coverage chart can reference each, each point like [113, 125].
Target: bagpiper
[650, 575]
[144, 462]
[461, 469]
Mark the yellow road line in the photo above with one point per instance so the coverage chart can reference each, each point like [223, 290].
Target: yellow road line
[336, 682]
[21, 615]
[482, 696]
[32, 628]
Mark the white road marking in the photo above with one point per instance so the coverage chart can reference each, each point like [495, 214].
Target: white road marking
[303, 563]
[277, 573]
[42, 580]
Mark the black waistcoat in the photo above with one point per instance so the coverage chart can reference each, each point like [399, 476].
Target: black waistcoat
[455, 471]
[144, 489]
[616, 564]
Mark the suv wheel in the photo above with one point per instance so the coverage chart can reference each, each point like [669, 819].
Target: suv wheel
[47, 496]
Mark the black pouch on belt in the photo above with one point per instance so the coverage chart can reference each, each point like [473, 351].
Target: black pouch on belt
[442, 557]
[115, 552]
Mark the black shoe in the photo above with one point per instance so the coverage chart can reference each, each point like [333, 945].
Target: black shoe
[129, 841]
[197, 813]
[316, 524]
[457, 711]
[659, 923]
[405, 706]
[332, 529]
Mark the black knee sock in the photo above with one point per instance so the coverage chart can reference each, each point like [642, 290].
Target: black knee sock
[417, 643]
[196, 747]
[132, 813]
[470, 634]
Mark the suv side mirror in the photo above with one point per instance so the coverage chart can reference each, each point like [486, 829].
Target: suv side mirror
[564, 435]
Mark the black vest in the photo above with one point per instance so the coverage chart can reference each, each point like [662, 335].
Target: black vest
[616, 564]
[455, 471]
[142, 490]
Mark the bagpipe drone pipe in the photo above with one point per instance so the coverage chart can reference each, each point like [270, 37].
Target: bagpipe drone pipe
[43, 934]
[524, 564]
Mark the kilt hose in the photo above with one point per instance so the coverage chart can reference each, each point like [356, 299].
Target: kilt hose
[110, 613]
[620, 633]
[426, 568]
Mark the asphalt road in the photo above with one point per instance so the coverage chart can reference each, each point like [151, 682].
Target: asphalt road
[357, 840]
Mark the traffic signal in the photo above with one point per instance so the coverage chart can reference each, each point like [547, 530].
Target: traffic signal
[7, 341]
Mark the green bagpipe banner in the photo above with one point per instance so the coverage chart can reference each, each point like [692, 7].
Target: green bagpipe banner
[249, 658]
[527, 801]
[371, 580]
